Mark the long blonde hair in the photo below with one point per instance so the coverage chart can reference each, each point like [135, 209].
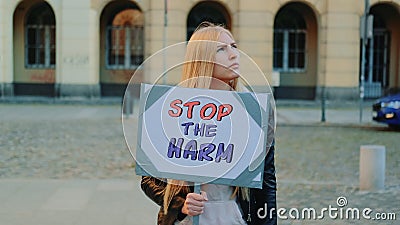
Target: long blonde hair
[200, 56]
[197, 73]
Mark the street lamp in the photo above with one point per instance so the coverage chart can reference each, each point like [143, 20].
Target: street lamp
[366, 32]
[165, 39]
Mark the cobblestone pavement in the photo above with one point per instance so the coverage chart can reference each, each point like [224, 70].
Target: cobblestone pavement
[63, 141]
[316, 162]
[316, 165]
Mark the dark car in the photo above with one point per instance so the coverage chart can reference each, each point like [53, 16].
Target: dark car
[387, 110]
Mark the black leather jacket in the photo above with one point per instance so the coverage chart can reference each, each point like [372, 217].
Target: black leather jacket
[255, 212]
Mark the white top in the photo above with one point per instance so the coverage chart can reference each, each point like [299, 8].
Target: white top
[219, 209]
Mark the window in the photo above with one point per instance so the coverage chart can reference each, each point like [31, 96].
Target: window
[124, 45]
[377, 54]
[379, 49]
[289, 42]
[40, 41]
[211, 11]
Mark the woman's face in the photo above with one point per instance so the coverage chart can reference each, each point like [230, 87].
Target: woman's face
[226, 66]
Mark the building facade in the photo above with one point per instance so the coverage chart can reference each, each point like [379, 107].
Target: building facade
[91, 48]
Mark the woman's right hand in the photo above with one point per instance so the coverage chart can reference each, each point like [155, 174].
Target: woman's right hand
[194, 203]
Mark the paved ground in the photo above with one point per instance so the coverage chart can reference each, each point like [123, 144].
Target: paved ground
[74, 201]
[67, 163]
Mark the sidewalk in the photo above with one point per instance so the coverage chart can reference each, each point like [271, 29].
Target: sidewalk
[289, 112]
[348, 116]
[74, 202]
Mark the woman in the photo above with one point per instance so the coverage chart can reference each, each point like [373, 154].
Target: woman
[212, 61]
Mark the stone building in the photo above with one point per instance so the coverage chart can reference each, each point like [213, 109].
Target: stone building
[91, 48]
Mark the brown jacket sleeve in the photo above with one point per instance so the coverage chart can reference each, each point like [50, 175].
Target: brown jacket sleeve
[154, 189]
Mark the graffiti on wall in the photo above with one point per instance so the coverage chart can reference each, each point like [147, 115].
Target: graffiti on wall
[76, 60]
[46, 76]
[123, 76]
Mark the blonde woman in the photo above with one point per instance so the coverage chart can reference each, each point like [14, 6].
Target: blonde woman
[212, 61]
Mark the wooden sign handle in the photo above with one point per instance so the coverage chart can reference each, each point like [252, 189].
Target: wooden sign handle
[196, 190]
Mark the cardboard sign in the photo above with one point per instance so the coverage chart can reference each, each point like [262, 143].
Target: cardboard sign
[202, 136]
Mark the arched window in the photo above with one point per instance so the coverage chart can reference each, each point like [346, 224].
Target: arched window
[207, 11]
[124, 45]
[40, 37]
[289, 41]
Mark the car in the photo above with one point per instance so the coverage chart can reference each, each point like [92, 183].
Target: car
[387, 110]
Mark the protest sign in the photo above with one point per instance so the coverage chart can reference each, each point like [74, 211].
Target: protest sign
[202, 135]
